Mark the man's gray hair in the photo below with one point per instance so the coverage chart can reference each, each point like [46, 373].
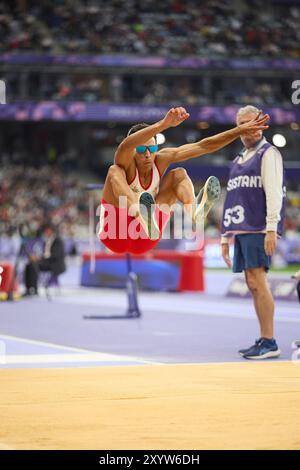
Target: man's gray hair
[247, 109]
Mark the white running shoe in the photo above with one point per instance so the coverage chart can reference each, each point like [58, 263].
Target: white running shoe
[208, 195]
[147, 215]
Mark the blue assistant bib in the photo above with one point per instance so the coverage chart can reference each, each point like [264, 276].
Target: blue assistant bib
[245, 208]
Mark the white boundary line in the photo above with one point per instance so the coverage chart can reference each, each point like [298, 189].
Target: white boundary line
[241, 361]
[63, 358]
[94, 356]
[113, 357]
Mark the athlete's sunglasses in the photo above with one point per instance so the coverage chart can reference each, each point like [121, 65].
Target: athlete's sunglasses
[143, 148]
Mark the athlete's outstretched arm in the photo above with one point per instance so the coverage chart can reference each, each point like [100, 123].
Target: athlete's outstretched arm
[125, 151]
[213, 143]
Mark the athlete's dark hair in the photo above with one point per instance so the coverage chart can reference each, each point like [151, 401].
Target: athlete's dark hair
[138, 127]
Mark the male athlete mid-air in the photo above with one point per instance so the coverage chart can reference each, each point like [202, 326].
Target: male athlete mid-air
[138, 177]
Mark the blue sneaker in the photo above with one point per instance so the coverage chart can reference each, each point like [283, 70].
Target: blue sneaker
[262, 349]
[244, 351]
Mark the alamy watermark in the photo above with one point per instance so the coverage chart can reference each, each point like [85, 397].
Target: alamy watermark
[1, 277]
[122, 223]
[296, 352]
[296, 94]
[2, 92]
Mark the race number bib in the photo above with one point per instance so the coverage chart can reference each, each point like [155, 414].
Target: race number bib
[235, 215]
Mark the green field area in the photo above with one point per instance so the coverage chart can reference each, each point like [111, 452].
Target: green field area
[288, 269]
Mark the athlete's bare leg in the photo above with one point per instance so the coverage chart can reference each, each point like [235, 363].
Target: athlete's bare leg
[116, 185]
[176, 185]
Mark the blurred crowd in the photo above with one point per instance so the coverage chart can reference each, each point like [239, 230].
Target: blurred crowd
[148, 89]
[292, 225]
[31, 197]
[221, 29]
[214, 28]
[193, 90]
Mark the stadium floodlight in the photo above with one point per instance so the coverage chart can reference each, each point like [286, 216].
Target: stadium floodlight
[160, 138]
[202, 125]
[191, 136]
[279, 140]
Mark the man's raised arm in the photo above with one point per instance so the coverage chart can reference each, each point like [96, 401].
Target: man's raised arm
[125, 151]
[213, 143]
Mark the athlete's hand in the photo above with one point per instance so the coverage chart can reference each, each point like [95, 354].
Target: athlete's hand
[259, 123]
[225, 254]
[174, 117]
[270, 243]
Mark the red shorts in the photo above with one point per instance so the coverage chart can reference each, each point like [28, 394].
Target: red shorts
[122, 233]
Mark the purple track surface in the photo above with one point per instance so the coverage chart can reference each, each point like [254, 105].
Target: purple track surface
[174, 328]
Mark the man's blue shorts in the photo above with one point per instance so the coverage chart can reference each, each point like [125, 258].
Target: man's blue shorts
[249, 252]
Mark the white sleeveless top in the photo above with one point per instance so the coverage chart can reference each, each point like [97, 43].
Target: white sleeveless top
[152, 188]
